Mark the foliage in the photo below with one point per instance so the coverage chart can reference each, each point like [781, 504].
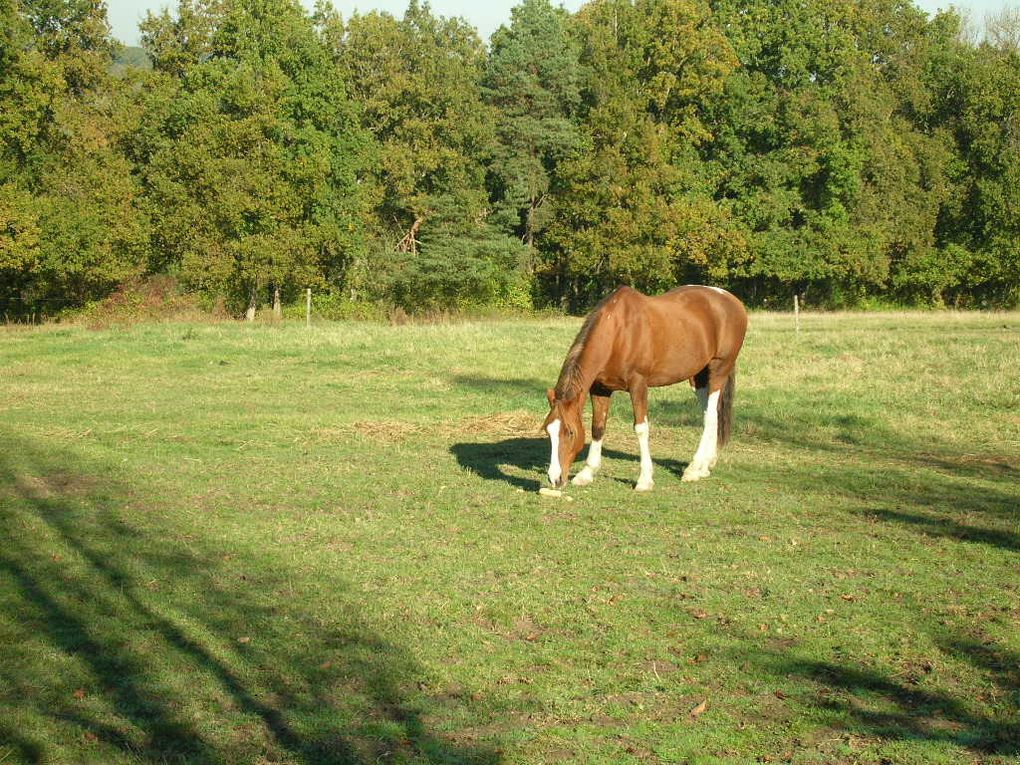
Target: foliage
[69, 201]
[533, 80]
[849, 152]
[633, 205]
[418, 81]
[252, 171]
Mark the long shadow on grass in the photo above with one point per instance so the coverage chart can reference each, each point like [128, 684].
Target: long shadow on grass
[222, 667]
[829, 429]
[867, 702]
[921, 485]
[503, 387]
[927, 504]
[490, 460]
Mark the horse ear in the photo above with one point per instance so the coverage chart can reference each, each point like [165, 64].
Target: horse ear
[551, 395]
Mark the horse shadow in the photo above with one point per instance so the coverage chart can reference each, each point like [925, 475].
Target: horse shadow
[508, 459]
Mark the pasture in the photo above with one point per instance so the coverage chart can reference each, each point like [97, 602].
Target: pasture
[271, 544]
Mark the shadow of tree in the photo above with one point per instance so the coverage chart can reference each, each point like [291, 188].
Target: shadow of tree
[830, 431]
[490, 460]
[503, 387]
[898, 479]
[951, 529]
[864, 701]
[224, 669]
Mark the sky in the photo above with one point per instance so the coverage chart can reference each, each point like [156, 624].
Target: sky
[485, 15]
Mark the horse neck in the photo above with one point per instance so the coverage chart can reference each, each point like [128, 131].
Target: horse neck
[593, 356]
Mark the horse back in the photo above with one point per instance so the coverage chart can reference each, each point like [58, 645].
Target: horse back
[673, 336]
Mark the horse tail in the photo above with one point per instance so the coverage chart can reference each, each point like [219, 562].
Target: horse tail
[726, 408]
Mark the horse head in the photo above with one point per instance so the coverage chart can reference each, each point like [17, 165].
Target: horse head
[565, 427]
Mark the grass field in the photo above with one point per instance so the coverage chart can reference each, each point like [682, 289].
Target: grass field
[270, 544]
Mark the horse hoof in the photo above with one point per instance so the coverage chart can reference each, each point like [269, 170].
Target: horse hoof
[696, 474]
[644, 486]
[582, 479]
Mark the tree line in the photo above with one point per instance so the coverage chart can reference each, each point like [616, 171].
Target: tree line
[854, 152]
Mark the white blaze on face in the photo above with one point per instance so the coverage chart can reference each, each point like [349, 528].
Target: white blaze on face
[555, 471]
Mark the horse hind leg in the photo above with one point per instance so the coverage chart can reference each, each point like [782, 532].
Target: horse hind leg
[600, 412]
[639, 398]
[708, 448]
[700, 383]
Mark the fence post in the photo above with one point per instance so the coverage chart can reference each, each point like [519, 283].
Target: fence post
[796, 312]
[308, 307]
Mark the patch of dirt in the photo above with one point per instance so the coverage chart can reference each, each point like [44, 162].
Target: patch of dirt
[58, 484]
[661, 667]
[527, 629]
[639, 750]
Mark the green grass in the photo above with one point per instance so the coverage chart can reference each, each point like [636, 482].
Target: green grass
[253, 544]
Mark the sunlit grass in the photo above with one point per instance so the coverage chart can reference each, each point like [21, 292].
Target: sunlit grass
[225, 543]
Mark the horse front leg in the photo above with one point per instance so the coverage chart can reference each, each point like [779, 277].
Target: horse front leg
[599, 414]
[639, 400]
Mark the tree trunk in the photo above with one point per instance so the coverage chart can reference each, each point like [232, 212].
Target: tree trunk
[531, 225]
[249, 315]
[410, 242]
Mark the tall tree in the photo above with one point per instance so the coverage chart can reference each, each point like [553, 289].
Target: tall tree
[67, 192]
[418, 79]
[634, 206]
[824, 150]
[533, 80]
[976, 96]
[253, 170]
[179, 40]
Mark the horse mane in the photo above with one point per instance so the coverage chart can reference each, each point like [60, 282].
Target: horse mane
[568, 386]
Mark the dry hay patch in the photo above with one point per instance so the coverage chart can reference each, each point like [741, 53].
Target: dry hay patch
[516, 423]
[380, 431]
[386, 431]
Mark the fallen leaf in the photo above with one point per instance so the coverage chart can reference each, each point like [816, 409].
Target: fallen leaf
[698, 710]
[79, 694]
[244, 639]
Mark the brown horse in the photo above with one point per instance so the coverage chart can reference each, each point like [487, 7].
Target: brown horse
[633, 342]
